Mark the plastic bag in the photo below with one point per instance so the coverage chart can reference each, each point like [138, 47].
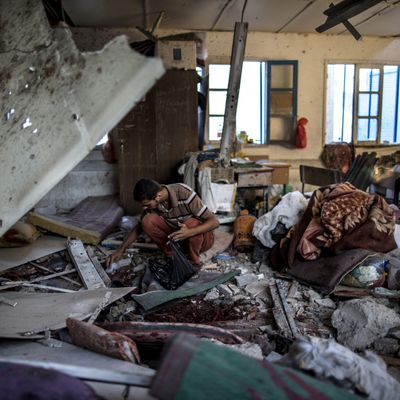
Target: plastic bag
[176, 271]
[369, 274]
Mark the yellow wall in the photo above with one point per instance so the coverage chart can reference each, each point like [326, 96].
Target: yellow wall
[312, 51]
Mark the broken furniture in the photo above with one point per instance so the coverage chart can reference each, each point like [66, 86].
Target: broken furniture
[91, 220]
[388, 185]
[359, 175]
[254, 179]
[317, 176]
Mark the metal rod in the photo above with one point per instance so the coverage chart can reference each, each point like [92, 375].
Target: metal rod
[232, 95]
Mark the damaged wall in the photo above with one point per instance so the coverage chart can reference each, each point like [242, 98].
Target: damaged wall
[312, 51]
[91, 177]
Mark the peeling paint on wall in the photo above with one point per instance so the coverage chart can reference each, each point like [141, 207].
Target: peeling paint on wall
[56, 103]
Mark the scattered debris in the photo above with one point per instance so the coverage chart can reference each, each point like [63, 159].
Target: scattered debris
[328, 359]
[360, 322]
[87, 271]
[158, 332]
[102, 341]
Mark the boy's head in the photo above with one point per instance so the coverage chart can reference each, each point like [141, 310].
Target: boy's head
[145, 192]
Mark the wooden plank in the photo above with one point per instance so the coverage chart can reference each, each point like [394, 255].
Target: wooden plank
[283, 314]
[9, 285]
[278, 311]
[65, 278]
[51, 276]
[288, 310]
[61, 228]
[87, 271]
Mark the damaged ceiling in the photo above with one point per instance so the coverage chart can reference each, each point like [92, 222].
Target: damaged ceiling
[295, 16]
[45, 86]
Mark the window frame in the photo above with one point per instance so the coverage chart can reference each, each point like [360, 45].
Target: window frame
[355, 117]
[265, 85]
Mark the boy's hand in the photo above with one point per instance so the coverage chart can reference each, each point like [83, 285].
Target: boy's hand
[114, 257]
[183, 233]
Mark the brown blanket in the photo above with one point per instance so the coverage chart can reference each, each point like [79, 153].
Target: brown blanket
[338, 218]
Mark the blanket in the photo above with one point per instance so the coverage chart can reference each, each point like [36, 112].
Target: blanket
[338, 218]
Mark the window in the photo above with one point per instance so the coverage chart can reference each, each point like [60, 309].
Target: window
[363, 104]
[267, 104]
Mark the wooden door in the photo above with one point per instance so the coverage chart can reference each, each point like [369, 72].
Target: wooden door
[155, 135]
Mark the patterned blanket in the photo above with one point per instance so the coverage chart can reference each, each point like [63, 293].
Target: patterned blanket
[338, 217]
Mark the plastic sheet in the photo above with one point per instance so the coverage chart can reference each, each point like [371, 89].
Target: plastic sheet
[176, 271]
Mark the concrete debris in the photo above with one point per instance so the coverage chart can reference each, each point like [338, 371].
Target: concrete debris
[387, 346]
[258, 289]
[360, 322]
[224, 290]
[327, 302]
[264, 309]
[243, 280]
[100, 87]
[212, 295]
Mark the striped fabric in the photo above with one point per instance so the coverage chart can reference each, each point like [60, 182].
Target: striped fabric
[184, 203]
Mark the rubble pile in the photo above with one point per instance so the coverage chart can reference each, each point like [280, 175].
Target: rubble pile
[236, 300]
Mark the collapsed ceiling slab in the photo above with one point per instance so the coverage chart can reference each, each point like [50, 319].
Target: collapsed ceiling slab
[56, 103]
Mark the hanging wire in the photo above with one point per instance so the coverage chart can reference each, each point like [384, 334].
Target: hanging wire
[243, 10]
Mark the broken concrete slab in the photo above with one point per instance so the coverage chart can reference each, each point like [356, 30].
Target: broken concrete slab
[78, 362]
[43, 246]
[212, 295]
[56, 102]
[360, 322]
[37, 312]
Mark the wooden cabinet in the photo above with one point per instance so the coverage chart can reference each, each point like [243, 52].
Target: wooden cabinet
[155, 135]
